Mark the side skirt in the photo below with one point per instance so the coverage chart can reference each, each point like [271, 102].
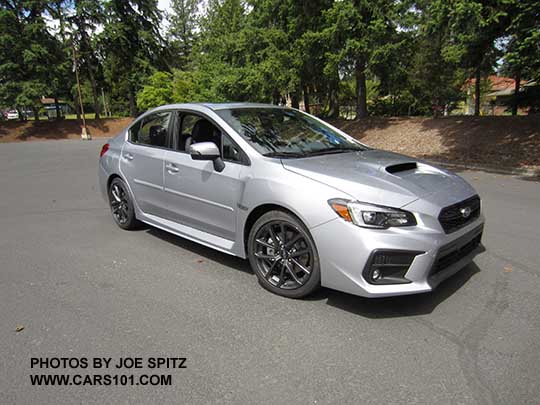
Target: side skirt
[192, 234]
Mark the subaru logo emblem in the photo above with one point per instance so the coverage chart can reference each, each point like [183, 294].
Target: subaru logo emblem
[465, 212]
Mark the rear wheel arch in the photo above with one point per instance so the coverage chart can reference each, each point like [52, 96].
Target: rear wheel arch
[111, 178]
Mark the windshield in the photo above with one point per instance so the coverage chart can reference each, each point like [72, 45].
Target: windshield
[284, 132]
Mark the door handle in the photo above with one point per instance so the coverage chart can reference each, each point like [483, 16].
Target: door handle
[171, 168]
[128, 156]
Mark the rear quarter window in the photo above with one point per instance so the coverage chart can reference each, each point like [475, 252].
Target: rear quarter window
[133, 131]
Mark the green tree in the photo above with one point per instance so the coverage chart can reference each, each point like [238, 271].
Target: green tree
[360, 32]
[157, 91]
[475, 25]
[86, 16]
[433, 80]
[522, 56]
[12, 67]
[131, 45]
[32, 62]
[182, 34]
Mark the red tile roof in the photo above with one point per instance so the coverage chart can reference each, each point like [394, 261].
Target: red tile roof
[497, 82]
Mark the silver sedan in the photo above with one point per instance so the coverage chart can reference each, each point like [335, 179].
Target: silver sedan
[307, 204]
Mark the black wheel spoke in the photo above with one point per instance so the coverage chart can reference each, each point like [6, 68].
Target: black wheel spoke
[294, 240]
[264, 256]
[300, 253]
[273, 236]
[116, 193]
[265, 244]
[292, 273]
[302, 267]
[281, 276]
[269, 273]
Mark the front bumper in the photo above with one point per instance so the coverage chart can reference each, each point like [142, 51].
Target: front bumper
[344, 250]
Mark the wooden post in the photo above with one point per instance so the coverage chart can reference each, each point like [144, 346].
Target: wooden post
[104, 104]
[85, 135]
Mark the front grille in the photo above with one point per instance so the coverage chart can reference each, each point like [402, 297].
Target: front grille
[456, 250]
[452, 217]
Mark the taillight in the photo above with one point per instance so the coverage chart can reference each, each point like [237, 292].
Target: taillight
[104, 150]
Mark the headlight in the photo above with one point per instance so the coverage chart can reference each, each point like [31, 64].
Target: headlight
[371, 216]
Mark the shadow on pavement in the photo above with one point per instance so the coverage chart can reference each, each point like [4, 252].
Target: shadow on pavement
[206, 252]
[408, 305]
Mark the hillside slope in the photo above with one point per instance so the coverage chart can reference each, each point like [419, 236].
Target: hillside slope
[504, 142]
[15, 131]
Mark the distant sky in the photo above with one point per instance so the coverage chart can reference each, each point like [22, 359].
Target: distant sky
[164, 4]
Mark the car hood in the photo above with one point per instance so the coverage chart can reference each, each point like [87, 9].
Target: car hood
[381, 177]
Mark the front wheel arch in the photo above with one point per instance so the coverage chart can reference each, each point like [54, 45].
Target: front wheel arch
[258, 212]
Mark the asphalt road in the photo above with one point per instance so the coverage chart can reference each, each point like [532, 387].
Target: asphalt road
[82, 287]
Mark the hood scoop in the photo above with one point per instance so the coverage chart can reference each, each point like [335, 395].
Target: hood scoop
[401, 167]
[377, 177]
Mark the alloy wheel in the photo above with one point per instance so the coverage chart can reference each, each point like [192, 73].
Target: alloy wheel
[119, 203]
[283, 255]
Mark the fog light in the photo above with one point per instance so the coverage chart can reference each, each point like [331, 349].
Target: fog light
[386, 266]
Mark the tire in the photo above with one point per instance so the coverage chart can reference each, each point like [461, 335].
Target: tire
[292, 269]
[121, 205]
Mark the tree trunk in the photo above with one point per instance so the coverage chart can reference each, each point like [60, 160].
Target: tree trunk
[515, 101]
[295, 100]
[276, 97]
[436, 104]
[132, 101]
[477, 94]
[334, 100]
[306, 99]
[95, 94]
[57, 107]
[36, 113]
[361, 92]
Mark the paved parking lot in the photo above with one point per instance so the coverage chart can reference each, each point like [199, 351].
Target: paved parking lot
[80, 286]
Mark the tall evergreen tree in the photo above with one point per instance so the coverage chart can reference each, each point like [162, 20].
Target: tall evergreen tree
[131, 45]
[475, 25]
[522, 56]
[32, 62]
[184, 24]
[85, 18]
[360, 31]
[434, 80]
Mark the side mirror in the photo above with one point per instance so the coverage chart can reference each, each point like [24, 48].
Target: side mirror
[207, 151]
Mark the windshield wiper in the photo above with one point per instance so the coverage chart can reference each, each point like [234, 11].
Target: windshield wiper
[285, 154]
[339, 149]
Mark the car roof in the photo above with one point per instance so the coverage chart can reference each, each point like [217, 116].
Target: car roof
[221, 106]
